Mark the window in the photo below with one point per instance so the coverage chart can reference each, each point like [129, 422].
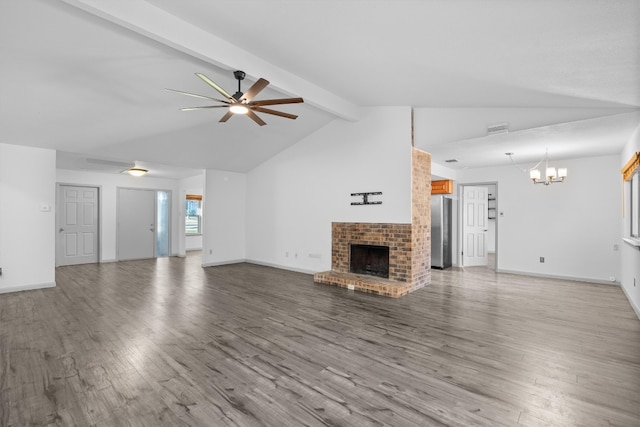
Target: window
[630, 172]
[193, 215]
[163, 222]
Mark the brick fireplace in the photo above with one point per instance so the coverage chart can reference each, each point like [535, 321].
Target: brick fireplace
[409, 244]
[369, 259]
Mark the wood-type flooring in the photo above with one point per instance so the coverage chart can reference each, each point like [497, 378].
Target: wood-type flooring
[165, 342]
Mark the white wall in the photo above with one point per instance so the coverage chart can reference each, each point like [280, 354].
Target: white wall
[630, 262]
[191, 185]
[193, 243]
[574, 225]
[109, 184]
[224, 217]
[293, 197]
[27, 234]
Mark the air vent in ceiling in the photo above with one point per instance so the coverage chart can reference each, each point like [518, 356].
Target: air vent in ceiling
[498, 128]
[451, 161]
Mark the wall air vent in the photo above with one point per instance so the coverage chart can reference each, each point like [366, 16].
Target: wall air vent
[498, 128]
[451, 161]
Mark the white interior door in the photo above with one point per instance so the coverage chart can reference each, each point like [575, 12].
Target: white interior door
[136, 223]
[475, 225]
[77, 236]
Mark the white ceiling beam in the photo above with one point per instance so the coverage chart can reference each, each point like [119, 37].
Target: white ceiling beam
[149, 21]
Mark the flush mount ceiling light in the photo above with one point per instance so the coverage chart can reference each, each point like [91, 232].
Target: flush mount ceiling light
[136, 171]
[242, 103]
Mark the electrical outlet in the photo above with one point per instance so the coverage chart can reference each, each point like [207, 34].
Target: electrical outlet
[541, 259]
[210, 251]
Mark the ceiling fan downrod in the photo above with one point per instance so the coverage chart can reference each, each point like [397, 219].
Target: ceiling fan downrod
[239, 75]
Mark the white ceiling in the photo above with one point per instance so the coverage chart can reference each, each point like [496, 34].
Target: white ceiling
[87, 77]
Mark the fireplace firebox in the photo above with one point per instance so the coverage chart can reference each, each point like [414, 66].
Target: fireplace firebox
[369, 259]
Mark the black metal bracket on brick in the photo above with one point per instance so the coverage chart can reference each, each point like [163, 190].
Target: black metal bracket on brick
[365, 198]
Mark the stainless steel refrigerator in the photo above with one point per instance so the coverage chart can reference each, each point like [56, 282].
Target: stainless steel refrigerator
[440, 231]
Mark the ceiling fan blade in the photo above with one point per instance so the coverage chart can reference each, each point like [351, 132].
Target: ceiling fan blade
[255, 89]
[197, 96]
[253, 116]
[203, 107]
[274, 112]
[277, 101]
[226, 117]
[213, 84]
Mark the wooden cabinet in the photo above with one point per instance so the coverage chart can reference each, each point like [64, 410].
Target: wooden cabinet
[444, 186]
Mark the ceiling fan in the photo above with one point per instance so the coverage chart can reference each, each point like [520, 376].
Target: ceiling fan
[242, 103]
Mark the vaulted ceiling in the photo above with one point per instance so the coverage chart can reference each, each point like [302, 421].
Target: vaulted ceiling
[87, 77]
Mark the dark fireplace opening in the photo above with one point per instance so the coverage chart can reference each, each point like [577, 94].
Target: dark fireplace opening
[370, 259]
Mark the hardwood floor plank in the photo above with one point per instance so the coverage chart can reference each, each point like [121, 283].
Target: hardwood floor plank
[165, 342]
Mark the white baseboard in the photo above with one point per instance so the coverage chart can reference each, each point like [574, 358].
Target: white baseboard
[281, 267]
[216, 264]
[551, 276]
[31, 287]
[105, 261]
[633, 305]
[265, 264]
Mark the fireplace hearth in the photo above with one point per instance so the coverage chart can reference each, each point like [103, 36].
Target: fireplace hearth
[370, 260]
[405, 264]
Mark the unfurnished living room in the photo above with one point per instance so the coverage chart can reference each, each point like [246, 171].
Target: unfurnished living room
[319, 213]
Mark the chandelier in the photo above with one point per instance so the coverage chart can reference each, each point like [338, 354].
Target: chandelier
[551, 174]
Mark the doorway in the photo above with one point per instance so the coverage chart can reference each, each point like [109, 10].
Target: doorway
[144, 225]
[478, 225]
[77, 219]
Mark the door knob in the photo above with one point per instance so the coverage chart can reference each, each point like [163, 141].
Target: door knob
[61, 230]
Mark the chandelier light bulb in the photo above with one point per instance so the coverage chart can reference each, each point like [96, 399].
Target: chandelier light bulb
[534, 174]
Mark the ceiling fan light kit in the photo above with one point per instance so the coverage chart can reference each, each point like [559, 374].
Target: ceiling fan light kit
[242, 103]
[238, 109]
